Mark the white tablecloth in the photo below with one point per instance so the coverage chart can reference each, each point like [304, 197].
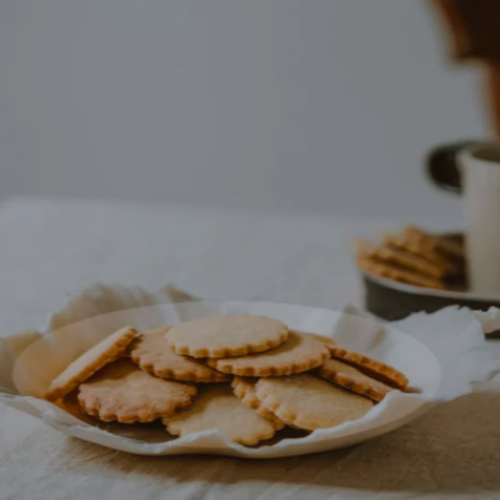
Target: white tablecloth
[51, 248]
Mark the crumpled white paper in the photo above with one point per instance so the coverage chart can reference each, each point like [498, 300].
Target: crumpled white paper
[30, 360]
[457, 337]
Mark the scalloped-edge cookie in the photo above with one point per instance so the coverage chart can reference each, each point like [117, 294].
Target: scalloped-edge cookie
[153, 354]
[216, 407]
[401, 242]
[124, 393]
[433, 242]
[89, 362]
[351, 378]
[244, 389]
[407, 260]
[308, 402]
[371, 367]
[397, 273]
[327, 340]
[300, 352]
[222, 336]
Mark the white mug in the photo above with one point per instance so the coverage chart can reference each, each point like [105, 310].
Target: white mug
[473, 169]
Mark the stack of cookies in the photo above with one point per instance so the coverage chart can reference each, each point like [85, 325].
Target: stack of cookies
[416, 257]
[248, 376]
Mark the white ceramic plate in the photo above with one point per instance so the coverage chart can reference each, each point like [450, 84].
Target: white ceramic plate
[30, 374]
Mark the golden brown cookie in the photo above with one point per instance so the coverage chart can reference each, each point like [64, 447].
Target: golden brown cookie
[371, 367]
[178, 295]
[351, 378]
[216, 407]
[123, 392]
[414, 246]
[89, 362]
[328, 341]
[153, 354]
[434, 243]
[244, 389]
[308, 402]
[398, 273]
[410, 261]
[299, 353]
[221, 336]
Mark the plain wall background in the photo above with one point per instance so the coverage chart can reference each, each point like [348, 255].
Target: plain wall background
[317, 105]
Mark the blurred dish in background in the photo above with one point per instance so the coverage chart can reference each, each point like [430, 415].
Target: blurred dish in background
[415, 257]
[406, 290]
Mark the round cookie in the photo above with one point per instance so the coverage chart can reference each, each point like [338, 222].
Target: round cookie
[123, 392]
[244, 389]
[371, 367]
[351, 378]
[89, 362]
[216, 407]
[310, 403]
[153, 354]
[327, 340]
[221, 336]
[299, 353]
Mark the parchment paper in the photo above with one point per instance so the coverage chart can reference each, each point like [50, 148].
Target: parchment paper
[455, 335]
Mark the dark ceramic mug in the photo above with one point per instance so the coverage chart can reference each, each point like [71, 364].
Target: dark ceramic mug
[442, 165]
[472, 168]
[392, 300]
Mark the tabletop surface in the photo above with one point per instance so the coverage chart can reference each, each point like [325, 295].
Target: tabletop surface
[52, 248]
